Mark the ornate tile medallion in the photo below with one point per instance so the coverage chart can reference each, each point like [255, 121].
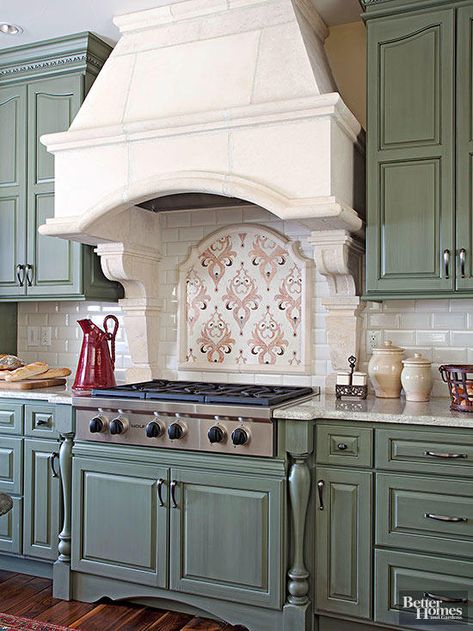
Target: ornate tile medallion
[244, 303]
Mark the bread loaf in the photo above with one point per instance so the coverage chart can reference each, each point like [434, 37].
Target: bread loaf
[10, 362]
[27, 372]
[53, 373]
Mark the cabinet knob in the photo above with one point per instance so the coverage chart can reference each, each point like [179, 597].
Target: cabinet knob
[342, 446]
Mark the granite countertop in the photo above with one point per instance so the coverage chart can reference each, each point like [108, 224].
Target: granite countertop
[58, 394]
[435, 412]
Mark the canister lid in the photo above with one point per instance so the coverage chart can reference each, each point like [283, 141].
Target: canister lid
[417, 360]
[388, 347]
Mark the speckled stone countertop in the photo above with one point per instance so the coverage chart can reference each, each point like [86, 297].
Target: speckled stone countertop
[435, 412]
[58, 394]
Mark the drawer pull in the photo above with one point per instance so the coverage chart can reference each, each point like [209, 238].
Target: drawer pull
[40, 422]
[342, 446]
[454, 520]
[435, 454]
[320, 489]
[445, 599]
[52, 459]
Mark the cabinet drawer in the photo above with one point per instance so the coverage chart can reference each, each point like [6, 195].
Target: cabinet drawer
[429, 514]
[11, 465]
[425, 452]
[11, 418]
[10, 528]
[402, 573]
[39, 421]
[345, 445]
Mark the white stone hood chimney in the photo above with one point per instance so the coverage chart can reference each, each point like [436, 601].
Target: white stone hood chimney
[230, 97]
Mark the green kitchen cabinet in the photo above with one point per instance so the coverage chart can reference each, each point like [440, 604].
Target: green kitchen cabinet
[420, 148]
[464, 140]
[227, 537]
[410, 228]
[119, 523]
[42, 499]
[344, 541]
[41, 89]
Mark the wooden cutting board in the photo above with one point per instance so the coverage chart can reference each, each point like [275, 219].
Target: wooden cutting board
[31, 384]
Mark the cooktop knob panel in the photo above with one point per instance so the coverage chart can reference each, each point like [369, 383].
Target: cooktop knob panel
[240, 436]
[119, 425]
[216, 434]
[97, 425]
[175, 431]
[154, 429]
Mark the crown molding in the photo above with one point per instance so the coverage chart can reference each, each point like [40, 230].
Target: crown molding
[83, 52]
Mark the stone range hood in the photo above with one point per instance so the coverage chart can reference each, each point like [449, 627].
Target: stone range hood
[227, 97]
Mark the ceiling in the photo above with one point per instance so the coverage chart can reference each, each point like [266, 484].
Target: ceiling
[43, 19]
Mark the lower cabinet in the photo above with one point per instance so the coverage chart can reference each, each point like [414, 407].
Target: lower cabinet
[343, 541]
[29, 472]
[226, 536]
[216, 534]
[42, 513]
[119, 521]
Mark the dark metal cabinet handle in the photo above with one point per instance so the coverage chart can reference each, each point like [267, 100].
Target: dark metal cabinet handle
[446, 263]
[320, 489]
[454, 520]
[160, 491]
[462, 262]
[445, 599]
[41, 422]
[173, 493]
[342, 446]
[447, 456]
[20, 276]
[52, 459]
[29, 275]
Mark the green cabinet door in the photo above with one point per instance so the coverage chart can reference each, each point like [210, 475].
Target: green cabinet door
[42, 499]
[12, 189]
[343, 542]
[227, 537]
[465, 148]
[410, 236]
[54, 264]
[119, 523]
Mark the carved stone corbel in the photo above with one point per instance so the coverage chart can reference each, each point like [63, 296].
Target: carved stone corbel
[136, 267]
[338, 257]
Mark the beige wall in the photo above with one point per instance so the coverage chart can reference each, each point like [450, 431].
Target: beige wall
[346, 53]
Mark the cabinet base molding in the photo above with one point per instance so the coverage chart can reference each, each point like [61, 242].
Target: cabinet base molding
[335, 624]
[23, 565]
[89, 588]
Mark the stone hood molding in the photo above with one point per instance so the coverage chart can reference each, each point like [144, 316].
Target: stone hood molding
[229, 97]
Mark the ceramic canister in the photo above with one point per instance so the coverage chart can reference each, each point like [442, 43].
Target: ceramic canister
[416, 378]
[385, 369]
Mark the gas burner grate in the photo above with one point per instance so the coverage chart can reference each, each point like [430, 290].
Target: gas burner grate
[204, 392]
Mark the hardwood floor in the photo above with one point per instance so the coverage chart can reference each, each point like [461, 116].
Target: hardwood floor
[30, 597]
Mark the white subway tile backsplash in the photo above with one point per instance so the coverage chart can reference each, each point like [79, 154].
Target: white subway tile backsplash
[442, 330]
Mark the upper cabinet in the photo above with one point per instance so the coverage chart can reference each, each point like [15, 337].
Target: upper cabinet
[42, 87]
[419, 220]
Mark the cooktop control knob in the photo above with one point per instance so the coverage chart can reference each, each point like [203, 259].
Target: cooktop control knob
[216, 434]
[154, 429]
[175, 431]
[97, 425]
[119, 425]
[240, 436]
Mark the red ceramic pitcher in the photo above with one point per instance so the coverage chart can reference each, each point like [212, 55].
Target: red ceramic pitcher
[96, 364]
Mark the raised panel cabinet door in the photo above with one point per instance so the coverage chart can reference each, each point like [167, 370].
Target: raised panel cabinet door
[120, 521]
[227, 537]
[55, 265]
[464, 139]
[11, 465]
[12, 189]
[343, 542]
[11, 528]
[42, 499]
[410, 236]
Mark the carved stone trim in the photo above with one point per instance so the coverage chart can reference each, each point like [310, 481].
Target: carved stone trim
[137, 269]
[339, 257]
